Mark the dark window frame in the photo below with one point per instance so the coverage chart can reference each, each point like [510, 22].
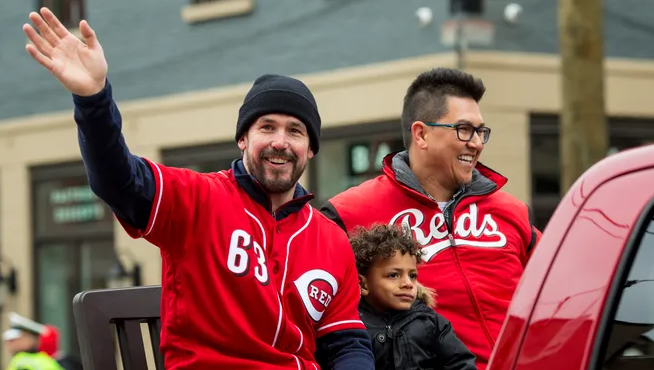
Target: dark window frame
[50, 172]
[181, 156]
[63, 10]
[354, 131]
[547, 124]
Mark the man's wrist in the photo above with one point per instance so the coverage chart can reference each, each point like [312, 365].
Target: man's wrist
[91, 100]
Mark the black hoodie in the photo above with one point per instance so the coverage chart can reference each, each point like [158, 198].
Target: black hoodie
[416, 339]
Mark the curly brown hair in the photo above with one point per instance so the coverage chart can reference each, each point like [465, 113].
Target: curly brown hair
[381, 242]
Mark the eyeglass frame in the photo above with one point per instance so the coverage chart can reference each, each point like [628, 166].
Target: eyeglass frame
[456, 126]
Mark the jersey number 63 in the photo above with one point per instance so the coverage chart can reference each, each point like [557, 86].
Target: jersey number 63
[238, 259]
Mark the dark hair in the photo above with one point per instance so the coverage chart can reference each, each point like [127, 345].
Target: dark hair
[381, 242]
[426, 98]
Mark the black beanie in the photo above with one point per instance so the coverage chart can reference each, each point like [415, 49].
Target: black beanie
[284, 95]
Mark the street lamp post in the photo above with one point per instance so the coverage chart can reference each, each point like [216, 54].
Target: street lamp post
[461, 40]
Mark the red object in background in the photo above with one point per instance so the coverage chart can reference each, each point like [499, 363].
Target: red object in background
[576, 306]
[50, 340]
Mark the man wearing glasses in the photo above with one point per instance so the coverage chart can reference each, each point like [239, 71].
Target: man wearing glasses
[477, 238]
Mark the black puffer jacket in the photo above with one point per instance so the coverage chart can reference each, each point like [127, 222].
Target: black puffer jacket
[417, 339]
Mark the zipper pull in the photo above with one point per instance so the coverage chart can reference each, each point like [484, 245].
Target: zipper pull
[452, 243]
[389, 331]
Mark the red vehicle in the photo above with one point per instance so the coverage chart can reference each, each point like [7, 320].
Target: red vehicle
[586, 299]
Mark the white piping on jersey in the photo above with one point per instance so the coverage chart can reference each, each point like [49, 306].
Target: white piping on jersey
[288, 246]
[314, 366]
[279, 322]
[340, 323]
[301, 339]
[223, 173]
[156, 210]
[260, 226]
[298, 363]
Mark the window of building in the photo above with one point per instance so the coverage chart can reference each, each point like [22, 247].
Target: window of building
[351, 155]
[545, 174]
[73, 244]
[628, 336]
[69, 12]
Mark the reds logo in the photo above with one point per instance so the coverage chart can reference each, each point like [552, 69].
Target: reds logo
[317, 288]
[467, 231]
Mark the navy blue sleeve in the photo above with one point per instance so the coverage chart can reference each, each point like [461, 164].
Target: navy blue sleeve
[345, 350]
[451, 353]
[122, 180]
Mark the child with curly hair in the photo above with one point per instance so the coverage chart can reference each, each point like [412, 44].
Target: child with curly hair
[406, 333]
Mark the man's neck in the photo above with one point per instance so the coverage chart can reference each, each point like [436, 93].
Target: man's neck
[279, 199]
[438, 189]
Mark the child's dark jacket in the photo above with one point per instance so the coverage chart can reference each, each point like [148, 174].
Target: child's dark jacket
[417, 339]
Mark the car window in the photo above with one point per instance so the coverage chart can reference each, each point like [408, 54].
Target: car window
[629, 335]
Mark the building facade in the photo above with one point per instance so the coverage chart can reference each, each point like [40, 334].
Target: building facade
[179, 80]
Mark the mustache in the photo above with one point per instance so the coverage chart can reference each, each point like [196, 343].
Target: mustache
[289, 156]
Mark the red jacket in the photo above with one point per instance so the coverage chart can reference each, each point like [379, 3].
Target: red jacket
[475, 251]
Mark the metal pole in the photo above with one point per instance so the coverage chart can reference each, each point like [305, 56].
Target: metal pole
[461, 42]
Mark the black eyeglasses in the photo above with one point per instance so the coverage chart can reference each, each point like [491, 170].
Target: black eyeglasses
[465, 131]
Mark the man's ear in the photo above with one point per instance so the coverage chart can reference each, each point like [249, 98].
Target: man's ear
[418, 134]
[241, 143]
[363, 285]
[310, 153]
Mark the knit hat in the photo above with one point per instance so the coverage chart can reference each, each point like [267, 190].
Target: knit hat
[284, 95]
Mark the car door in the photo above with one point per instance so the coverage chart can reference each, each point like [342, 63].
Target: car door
[574, 321]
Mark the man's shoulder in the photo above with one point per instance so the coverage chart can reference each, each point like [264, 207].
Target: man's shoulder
[510, 206]
[366, 189]
[506, 199]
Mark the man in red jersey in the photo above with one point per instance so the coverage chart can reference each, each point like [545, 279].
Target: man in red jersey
[253, 276]
[477, 238]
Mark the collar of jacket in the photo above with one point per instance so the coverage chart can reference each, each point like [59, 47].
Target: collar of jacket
[254, 189]
[397, 167]
[392, 316]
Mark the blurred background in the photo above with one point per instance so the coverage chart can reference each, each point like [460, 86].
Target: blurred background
[180, 69]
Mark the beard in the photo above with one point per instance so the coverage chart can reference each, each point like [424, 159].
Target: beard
[276, 181]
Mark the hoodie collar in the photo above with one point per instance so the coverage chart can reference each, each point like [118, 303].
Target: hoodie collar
[255, 191]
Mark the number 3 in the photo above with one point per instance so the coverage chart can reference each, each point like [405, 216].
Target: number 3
[238, 260]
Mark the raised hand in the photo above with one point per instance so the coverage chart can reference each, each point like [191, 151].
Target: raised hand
[80, 66]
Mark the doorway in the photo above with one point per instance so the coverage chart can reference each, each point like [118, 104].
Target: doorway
[63, 269]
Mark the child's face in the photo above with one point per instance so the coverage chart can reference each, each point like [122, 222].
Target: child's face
[390, 284]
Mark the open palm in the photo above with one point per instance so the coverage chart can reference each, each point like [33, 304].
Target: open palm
[80, 66]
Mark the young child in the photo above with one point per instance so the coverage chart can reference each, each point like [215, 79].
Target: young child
[406, 333]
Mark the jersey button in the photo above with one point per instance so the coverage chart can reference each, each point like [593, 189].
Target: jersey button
[277, 229]
[381, 338]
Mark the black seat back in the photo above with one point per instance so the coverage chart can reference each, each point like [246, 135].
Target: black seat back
[112, 320]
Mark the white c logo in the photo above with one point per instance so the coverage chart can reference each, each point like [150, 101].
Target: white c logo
[304, 283]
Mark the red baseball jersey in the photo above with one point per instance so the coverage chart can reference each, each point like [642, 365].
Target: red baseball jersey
[241, 290]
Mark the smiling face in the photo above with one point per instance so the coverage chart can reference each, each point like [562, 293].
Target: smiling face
[390, 284]
[452, 159]
[276, 151]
